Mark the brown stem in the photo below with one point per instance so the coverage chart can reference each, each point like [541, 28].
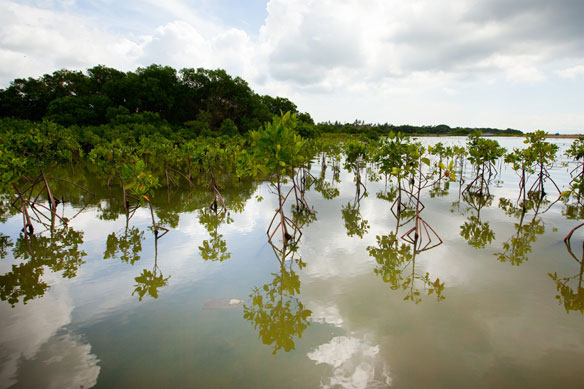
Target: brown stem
[27, 225]
[567, 238]
[185, 177]
[49, 194]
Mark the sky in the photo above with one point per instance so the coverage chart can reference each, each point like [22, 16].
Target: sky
[478, 63]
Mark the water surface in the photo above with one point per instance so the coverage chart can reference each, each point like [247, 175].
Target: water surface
[109, 305]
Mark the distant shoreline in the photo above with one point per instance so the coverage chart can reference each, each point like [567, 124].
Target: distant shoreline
[561, 136]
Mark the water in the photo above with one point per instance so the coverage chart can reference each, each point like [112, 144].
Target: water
[333, 315]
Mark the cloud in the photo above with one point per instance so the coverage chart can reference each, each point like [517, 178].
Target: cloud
[34, 41]
[396, 61]
[572, 72]
[308, 41]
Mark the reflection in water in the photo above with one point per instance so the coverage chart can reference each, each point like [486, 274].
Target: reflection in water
[35, 352]
[516, 249]
[60, 252]
[150, 281]
[275, 311]
[396, 265]
[65, 361]
[440, 188]
[214, 248]
[571, 289]
[5, 243]
[327, 188]
[475, 231]
[354, 222]
[393, 259]
[126, 246]
[355, 364]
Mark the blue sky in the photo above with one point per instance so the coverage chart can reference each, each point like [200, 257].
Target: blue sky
[488, 63]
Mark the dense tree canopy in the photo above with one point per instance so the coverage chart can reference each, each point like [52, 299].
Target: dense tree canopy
[192, 101]
[201, 98]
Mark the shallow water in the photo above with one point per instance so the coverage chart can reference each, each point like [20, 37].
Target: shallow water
[335, 314]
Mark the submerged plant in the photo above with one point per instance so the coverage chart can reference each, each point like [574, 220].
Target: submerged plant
[278, 152]
[483, 153]
[543, 155]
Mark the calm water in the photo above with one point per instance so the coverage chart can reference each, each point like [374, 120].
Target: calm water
[336, 313]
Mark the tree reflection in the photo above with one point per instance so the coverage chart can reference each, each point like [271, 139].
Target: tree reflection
[150, 281]
[351, 213]
[396, 265]
[5, 243]
[475, 231]
[59, 252]
[517, 248]
[214, 248]
[327, 188]
[275, 311]
[354, 222]
[571, 289]
[126, 246]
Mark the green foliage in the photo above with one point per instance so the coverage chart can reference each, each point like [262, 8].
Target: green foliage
[141, 181]
[228, 128]
[147, 95]
[111, 157]
[80, 110]
[355, 155]
[397, 156]
[483, 150]
[278, 150]
[539, 150]
[576, 152]
[521, 160]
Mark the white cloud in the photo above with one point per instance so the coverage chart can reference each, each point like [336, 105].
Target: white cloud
[380, 61]
[572, 72]
[34, 41]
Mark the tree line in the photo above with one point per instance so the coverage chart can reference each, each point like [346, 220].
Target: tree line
[201, 100]
[192, 101]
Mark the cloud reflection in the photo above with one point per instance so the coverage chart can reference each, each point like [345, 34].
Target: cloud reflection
[355, 364]
[31, 350]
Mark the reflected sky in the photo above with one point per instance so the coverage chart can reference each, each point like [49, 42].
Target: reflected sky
[498, 324]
